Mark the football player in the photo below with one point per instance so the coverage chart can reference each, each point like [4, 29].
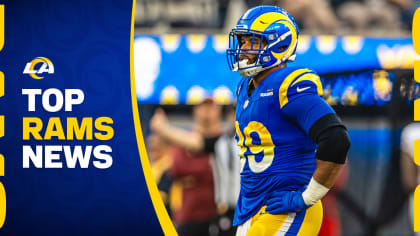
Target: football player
[293, 145]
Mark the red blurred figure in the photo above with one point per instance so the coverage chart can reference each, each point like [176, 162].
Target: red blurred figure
[331, 223]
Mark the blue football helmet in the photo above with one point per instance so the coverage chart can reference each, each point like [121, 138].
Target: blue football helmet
[275, 28]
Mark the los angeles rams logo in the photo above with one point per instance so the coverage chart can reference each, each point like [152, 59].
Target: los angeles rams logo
[46, 66]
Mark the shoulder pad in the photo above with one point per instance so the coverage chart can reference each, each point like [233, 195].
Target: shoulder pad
[296, 76]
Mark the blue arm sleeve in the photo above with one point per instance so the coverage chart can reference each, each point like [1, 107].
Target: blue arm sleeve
[306, 110]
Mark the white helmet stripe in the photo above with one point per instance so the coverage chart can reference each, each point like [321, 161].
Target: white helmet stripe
[281, 38]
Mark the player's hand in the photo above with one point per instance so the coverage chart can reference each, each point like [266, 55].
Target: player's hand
[285, 201]
[159, 122]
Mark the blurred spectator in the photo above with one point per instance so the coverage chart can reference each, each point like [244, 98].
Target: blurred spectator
[410, 171]
[191, 168]
[148, 13]
[223, 9]
[312, 16]
[212, 139]
[331, 222]
[179, 13]
[227, 172]
[389, 17]
[362, 15]
[158, 149]
[407, 9]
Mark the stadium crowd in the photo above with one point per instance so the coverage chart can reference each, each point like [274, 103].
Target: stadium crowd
[367, 17]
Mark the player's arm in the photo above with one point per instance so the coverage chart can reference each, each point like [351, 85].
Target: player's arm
[409, 170]
[187, 139]
[300, 100]
[333, 144]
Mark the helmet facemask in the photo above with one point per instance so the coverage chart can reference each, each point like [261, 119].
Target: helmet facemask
[239, 58]
[262, 55]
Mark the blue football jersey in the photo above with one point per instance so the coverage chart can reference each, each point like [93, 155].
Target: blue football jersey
[272, 126]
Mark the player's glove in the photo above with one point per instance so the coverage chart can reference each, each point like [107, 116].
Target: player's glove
[285, 201]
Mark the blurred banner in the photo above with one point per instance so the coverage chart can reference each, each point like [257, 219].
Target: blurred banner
[183, 69]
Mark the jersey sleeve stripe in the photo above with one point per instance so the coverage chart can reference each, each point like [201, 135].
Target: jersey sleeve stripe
[286, 83]
[311, 77]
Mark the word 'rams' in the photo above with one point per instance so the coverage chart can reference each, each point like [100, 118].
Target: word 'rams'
[33, 127]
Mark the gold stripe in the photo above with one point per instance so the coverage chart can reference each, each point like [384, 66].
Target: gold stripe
[416, 45]
[1, 26]
[1, 165]
[2, 205]
[163, 217]
[314, 78]
[417, 70]
[1, 84]
[2, 191]
[416, 209]
[312, 222]
[416, 31]
[417, 152]
[1, 126]
[417, 109]
[286, 83]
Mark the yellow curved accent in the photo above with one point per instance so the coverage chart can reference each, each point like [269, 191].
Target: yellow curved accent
[2, 205]
[416, 31]
[1, 165]
[163, 217]
[46, 60]
[1, 26]
[417, 109]
[33, 63]
[286, 83]
[38, 60]
[417, 209]
[416, 43]
[315, 79]
[1, 84]
[417, 152]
